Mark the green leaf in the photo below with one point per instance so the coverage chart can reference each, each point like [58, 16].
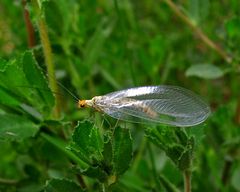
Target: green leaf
[87, 141]
[174, 152]
[107, 152]
[205, 71]
[122, 150]
[95, 172]
[198, 10]
[185, 161]
[16, 127]
[36, 78]
[22, 79]
[62, 185]
[177, 145]
[162, 136]
[8, 100]
[182, 136]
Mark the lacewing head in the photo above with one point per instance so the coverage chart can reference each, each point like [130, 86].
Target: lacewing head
[82, 103]
[85, 103]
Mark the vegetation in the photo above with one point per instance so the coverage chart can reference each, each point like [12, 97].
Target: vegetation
[96, 47]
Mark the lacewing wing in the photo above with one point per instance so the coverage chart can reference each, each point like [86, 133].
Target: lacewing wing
[165, 104]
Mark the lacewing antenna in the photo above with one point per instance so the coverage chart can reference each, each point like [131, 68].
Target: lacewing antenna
[62, 86]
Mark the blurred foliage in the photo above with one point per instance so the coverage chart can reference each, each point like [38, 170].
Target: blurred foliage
[102, 46]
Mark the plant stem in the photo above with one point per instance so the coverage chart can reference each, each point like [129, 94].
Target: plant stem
[104, 187]
[155, 174]
[48, 56]
[29, 26]
[199, 32]
[8, 181]
[187, 181]
[226, 171]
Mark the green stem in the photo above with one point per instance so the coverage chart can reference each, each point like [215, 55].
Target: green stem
[187, 181]
[226, 171]
[104, 187]
[155, 174]
[47, 50]
[8, 181]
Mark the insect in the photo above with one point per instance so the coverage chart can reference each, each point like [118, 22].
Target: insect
[166, 104]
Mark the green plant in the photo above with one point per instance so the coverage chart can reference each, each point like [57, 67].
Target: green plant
[95, 47]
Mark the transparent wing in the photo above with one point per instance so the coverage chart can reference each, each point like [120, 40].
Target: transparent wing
[159, 104]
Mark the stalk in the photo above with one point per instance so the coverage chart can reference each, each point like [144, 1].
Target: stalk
[29, 26]
[47, 50]
[187, 181]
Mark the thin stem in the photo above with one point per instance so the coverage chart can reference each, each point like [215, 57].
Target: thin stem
[187, 181]
[155, 174]
[8, 181]
[104, 187]
[81, 181]
[226, 171]
[29, 26]
[48, 56]
[199, 32]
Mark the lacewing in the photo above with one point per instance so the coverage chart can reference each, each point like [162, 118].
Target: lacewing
[166, 104]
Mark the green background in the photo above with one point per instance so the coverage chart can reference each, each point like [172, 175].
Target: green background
[103, 46]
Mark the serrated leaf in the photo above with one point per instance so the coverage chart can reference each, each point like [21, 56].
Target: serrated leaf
[23, 80]
[205, 71]
[122, 150]
[182, 136]
[177, 145]
[95, 172]
[15, 127]
[162, 136]
[185, 161]
[174, 152]
[35, 77]
[88, 141]
[62, 185]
